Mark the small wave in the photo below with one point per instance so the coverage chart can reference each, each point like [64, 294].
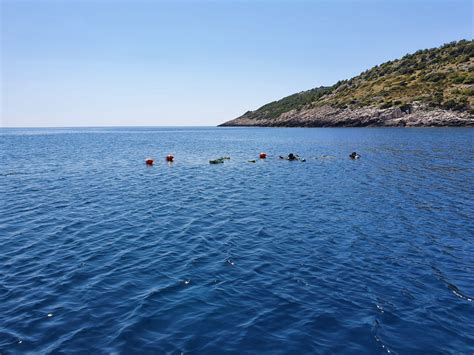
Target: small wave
[454, 289]
[13, 173]
[458, 293]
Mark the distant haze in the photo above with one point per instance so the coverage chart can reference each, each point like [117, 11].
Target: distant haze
[113, 63]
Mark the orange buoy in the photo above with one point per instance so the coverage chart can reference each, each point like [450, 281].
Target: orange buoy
[169, 158]
[263, 155]
[149, 161]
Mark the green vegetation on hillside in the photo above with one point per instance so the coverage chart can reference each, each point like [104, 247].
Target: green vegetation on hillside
[295, 101]
[441, 77]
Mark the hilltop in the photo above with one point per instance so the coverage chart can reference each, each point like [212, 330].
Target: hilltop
[431, 87]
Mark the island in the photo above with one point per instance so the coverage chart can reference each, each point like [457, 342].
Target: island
[429, 88]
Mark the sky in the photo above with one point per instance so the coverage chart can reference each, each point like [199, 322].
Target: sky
[197, 63]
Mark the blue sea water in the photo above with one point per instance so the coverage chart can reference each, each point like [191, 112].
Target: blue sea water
[101, 254]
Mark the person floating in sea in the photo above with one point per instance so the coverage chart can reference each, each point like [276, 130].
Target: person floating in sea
[354, 155]
[219, 160]
[292, 157]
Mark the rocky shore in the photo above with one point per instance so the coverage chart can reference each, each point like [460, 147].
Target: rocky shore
[415, 115]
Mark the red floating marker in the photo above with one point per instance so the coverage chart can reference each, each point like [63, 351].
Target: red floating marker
[149, 161]
[169, 158]
[263, 155]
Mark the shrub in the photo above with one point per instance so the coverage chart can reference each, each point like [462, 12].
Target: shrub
[468, 92]
[459, 79]
[469, 79]
[435, 77]
[456, 105]
[406, 108]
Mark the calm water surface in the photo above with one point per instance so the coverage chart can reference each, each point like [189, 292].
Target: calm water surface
[101, 254]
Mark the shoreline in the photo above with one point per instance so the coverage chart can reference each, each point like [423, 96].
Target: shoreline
[330, 117]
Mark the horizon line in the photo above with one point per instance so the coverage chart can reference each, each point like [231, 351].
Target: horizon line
[112, 126]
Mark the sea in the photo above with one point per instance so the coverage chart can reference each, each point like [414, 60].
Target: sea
[102, 254]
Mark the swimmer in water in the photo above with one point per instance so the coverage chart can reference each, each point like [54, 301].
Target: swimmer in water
[354, 155]
[292, 157]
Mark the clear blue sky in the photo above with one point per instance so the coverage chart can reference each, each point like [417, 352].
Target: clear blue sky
[105, 62]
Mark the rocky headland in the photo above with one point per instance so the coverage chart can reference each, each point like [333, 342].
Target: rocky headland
[430, 88]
